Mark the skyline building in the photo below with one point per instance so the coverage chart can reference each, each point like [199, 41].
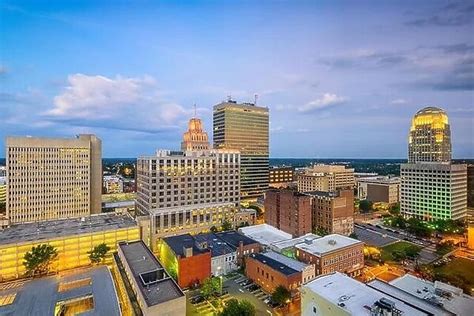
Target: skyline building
[244, 127]
[195, 138]
[322, 177]
[431, 187]
[53, 178]
[429, 139]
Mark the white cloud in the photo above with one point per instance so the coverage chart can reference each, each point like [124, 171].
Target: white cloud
[131, 103]
[399, 101]
[327, 100]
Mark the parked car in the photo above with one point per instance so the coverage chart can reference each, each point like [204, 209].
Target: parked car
[197, 299]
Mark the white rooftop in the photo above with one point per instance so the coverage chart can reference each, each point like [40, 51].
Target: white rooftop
[454, 300]
[292, 263]
[265, 234]
[352, 296]
[284, 244]
[327, 243]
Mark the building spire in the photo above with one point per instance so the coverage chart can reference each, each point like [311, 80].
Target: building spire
[195, 110]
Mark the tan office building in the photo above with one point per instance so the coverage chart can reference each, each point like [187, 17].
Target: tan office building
[53, 178]
[244, 127]
[325, 178]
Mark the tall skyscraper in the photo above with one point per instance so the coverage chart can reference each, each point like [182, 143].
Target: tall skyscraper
[195, 138]
[430, 136]
[244, 127]
[431, 187]
[53, 178]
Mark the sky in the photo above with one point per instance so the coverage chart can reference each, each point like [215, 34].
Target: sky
[341, 79]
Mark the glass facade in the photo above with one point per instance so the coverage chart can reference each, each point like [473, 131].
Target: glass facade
[244, 127]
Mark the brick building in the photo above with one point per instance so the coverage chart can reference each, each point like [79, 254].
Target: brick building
[289, 211]
[333, 212]
[333, 253]
[243, 245]
[185, 260]
[269, 273]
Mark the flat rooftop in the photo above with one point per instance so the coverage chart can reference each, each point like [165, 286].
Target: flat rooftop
[353, 296]
[233, 238]
[178, 243]
[284, 244]
[327, 244]
[29, 232]
[274, 264]
[380, 180]
[40, 296]
[292, 263]
[265, 234]
[456, 301]
[141, 261]
[217, 246]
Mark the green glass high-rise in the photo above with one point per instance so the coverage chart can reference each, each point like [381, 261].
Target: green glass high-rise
[244, 127]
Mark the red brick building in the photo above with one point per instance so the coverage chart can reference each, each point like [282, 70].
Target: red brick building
[182, 256]
[269, 273]
[242, 244]
[289, 211]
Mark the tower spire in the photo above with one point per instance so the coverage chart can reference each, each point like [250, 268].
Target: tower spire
[194, 110]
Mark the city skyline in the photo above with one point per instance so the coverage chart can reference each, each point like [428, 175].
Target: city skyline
[335, 75]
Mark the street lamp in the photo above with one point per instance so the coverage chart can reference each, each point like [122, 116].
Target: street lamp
[220, 277]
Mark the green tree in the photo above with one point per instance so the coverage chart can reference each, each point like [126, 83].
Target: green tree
[226, 225]
[210, 286]
[418, 228]
[354, 235]
[365, 206]
[235, 308]
[281, 295]
[213, 229]
[395, 209]
[412, 251]
[39, 259]
[98, 253]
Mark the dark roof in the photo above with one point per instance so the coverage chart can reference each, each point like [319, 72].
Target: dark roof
[142, 262]
[178, 243]
[234, 238]
[217, 246]
[322, 193]
[274, 264]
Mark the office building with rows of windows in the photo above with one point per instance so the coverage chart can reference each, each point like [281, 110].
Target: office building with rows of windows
[244, 127]
[53, 178]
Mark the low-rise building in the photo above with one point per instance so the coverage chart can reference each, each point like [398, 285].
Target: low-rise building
[112, 184]
[245, 217]
[185, 260]
[379, 189]
[223, 256]
[451, 298]
[265, 234]
[287, 247]
[73, 238]
[308, 271]
[333, 253]
[269, 273]
[281, 176]
[242, 244]
[326, 178]
[156, 291]
[88, 291]
[337, 294]
[289, 211]
[333, 212]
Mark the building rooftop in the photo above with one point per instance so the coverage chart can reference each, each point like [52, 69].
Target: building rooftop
[274, 264]
[149, 275]
[292, 263]
[284, 244]
[451, 298]
[191, 207]
[234, 238]
[265, 234]
[217, 246]
[323, 193]
[327, 244]
[41, 296]
[178, 243]
[354, 297]
[380, 180]
[29, 232]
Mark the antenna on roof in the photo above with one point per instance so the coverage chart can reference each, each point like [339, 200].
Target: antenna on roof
[229, 98]
[194, 110]
[255, 99]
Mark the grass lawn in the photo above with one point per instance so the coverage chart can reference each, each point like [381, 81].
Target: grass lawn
[386, 252]
[458, 268]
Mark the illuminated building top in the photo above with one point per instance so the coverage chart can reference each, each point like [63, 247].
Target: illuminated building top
[430, 136]
[195, 138]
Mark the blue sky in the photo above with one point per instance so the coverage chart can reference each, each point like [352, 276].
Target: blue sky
[341, 78]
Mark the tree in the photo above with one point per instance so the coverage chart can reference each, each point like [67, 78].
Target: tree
[210, 286]
[38, 260]
[235, 308]
[365, 206]
[98, 253]
[226, 225]
[213, 229]
[412, 251]
[395, 209]
[354, 235]
[281, 295]
[418, 228]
